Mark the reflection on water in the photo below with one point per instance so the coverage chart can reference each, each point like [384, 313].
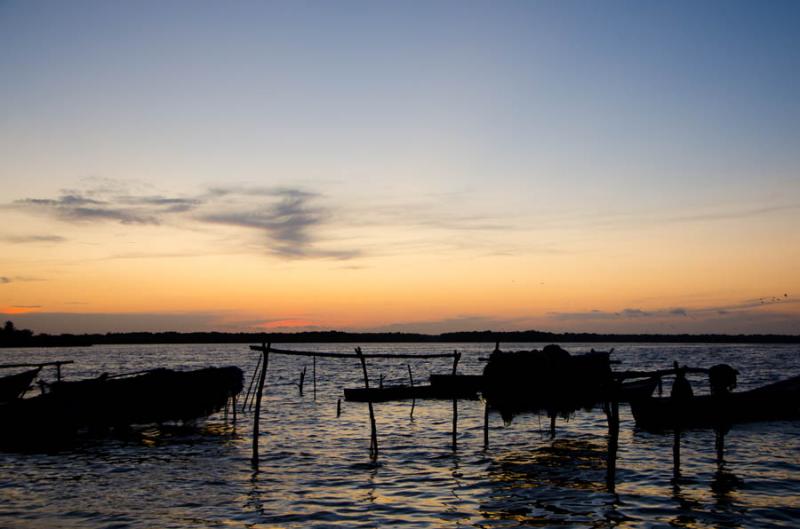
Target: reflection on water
[315, 470]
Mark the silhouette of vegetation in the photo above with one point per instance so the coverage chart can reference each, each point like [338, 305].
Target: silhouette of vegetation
[12, 337]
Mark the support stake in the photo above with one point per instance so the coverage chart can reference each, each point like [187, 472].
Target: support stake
[456, 358]
[373, 445]
[413, 398]
[252, 381]
[486, 425]
[259, 393]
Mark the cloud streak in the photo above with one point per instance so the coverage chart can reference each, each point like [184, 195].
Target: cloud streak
[748, 305]
[32, 239]
[289, 219]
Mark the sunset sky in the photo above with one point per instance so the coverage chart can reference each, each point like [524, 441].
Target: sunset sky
[432, 166]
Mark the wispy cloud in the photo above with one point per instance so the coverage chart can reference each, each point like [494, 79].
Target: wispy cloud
[74, 208]
[32, 239]
[290, 219]
[671, 312]
[5, 279]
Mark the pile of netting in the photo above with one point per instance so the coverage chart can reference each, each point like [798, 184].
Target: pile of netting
[550, 380]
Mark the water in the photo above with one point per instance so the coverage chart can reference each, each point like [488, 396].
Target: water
[315, 469]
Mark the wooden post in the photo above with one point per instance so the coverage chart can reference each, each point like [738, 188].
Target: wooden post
[553, 425]
[612, 412]
[252, 380]
[486, 425]
[259, 393]
[456, 358]
[373, 447]
[413, 398]
[233, 398]
[302, 380]
[338, 407]
[314, 376]
[58, 372]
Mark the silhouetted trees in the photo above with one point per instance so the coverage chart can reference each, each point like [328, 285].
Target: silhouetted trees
[10, 336]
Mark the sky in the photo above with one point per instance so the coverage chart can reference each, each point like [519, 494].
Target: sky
[400, 166]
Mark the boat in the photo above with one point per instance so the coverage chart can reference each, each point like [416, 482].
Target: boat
[638, 389]
[778, 401]
[441, 387]
[107, 403]
[387, 393]
[13, 387]
[457, 386]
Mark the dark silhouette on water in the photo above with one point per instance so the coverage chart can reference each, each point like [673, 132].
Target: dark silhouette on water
[115, 403]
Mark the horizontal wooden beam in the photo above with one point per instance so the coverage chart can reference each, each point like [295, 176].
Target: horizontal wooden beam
[40, 364]
[624, 375]
[318, 354]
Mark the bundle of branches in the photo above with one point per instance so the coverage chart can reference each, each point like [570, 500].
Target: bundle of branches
[550, 380]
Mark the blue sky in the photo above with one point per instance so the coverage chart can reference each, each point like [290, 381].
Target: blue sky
[576, 127]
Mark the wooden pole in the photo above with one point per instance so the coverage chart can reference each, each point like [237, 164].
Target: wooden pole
[456, 358]
[302, 380]
[373, 446]
[252, 381]
[338, 408]
[314, 376]
[612, 411]
[486, 425]
[413, 398]
[257, 415]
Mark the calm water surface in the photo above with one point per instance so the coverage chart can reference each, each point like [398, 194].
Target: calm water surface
[316, 472]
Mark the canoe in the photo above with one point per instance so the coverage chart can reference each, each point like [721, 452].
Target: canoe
[778, 401]
[13, 387]
[441, 387]
[96, 405]
[638, 390]
[457, 386]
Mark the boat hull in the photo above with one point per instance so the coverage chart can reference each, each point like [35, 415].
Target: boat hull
[779, 401]
[97, 405]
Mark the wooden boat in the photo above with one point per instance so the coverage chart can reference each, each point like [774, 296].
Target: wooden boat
[638, 390]
[778, 401]
[387, 393]
[13, 387]
[97, 405]
[441, 387]
[457, 386]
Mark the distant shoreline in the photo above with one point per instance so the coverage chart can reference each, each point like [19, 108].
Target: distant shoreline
[83, 340]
